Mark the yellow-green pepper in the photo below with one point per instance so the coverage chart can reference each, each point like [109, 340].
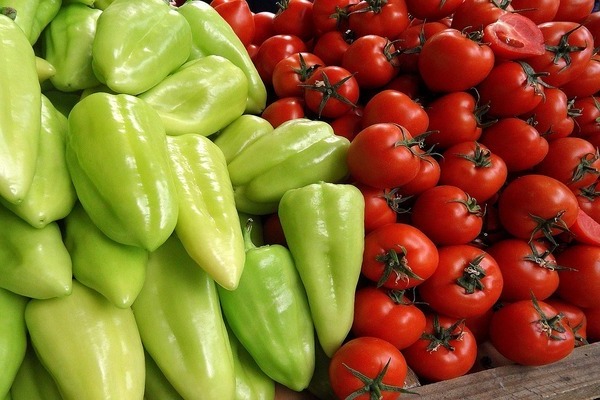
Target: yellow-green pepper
[13, 337]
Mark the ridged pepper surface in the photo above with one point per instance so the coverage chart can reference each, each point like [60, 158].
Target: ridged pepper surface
[13, 337]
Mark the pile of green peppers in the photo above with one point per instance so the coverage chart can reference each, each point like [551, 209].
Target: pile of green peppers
[135, 173]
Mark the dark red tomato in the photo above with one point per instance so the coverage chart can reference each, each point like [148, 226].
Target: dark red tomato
[330, 15]
[534, 206]
[511, 89]
[593, 323]
[239, 16]
[349, 124]
[273, 50]
[398, 256]
[263, 27]
[451, 61]
[526, 267]
[553, 117]
[388, 315]
[574, 10]
[432, 10]
[574, 316]
[585, 229]
[427, 177]
[292, 72]
[479, 326]
[516, 142]
[411, 41]
[474, 15]
[447, 349]
[454, 118]
[580, 286]
[381, 206]
[587, 122]
[589, 200]
[294, 17]
[410, 84]
[331, 46]
[569, 48]
[392, 106]
[573, 161]
[513, 37]
[529, 332]
[372, 58]
[447, 215]
[592, 22]
[466, 283]
[472, 167]
[284, 109]
[331, 91]
[539, 11]
[374, 17]
[370, 357]
[587, 83]
[384, 155]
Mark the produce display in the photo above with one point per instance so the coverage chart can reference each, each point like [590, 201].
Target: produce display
[303, 199]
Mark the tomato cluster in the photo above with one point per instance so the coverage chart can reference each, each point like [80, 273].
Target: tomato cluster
[474, 128]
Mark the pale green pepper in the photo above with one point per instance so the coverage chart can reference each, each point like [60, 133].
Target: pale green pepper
[13, 337]
[33, 381]
[241, 133]
[33, 16]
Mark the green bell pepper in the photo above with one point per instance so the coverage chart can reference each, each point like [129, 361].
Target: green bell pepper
[91, 347]
[33, 16]
[51, 195]
[102, 4]
[152, 40]
[212, 35]
[13, 337]
[179, 318]
[33, 261]
[115, 270]
[241, 133]
[20, 117]
[201, 97]
[208, 223]
[128, 191]
[300, 152]
[33, 381]
[269, 314]
[67, 43]
[44, 69]
[157, 385]
[323, 224]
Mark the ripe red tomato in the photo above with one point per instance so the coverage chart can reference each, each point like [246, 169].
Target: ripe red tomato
[592, 22]
[589, 200]
[384, 155]
[466, 283]
[475, 15]
[447, 349]
[392, 106]
[411, 41]
[585, 84]
[447, 215]
[574, 316]
[284, 109]
[574, 10]
[528, 332]
[263, 27]
[398, 256]
[580, 286]
[388, 315]
[273, 50]
[348, 125]
[382, 206]
[472, 167]
[526, 267]
[331, 91]
[451, 61]
[239, 16]
[539, 11]
[377, 360]
[330, 15]
[372, 58]
[294, 17]
[553, 117]
[534, 206]
[292, 72]
[514, 36]
[593, 323]
[372, 17]
[427, 177]
[432, 10]
[585, 230]
[587, 123]
[331, 46]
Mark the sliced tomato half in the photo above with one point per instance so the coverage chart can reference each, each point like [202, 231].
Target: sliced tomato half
[514, 36]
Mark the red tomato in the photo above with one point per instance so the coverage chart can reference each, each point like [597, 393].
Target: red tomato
[451, 61]
[273, 50]
[461, 215]
[284, 109]
[384, 155]
[373, 17]
[398, 256]
[447, 349]
[331, 46]
[526, 267]
[472, 167]
[516, 142]
[593, 323]
[580, 286]
[382, 206]
[592, 22]
[292, 72]
[348, 125]
[388, 315]
[239, 16]
[511, 89]
[331, 91]
[514, 36]
[427, 177]
[466, 283]
[372, 59]
[585, 229]
[587, 83]
[587, 123]
[475, 15]
[553, 117]
[534, 206]
[574, 10]
[411, 41]
[263, 27]
[294, 17]
[569, 48]
[479, 326]
[589, 200]
[529, 332]
[408, 83]
[392, 106]
[432, 10]
[574, 316]
[539, 11]
[330, 15]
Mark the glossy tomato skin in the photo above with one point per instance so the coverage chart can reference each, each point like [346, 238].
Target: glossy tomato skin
[585, 84]
[330, 15]
[393, 106]
[526, 269]
[432, 10]
[380, 206]
[513, 37]
[467, 282]
[273, 50]
[263, 26]
[518, 332]
[450, 61]
[388, 315]
[582, 286]
[417, 254]
[331, 91]
[473, 15]
[292, 72]
[369, 356]
[552, 117]
[295, 17]
[348, 125]
[427, 177]
[410, 42]
[443, 363]
[387, 19]
[239, 16]
[539, 11]
[574, 316]
[331, 46]
[587, 123]
[574, 10]
[447, 215]
[372, 58]
[589, 200]
[284, 109]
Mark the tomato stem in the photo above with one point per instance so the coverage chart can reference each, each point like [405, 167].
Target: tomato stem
[373, 386]
[549, 325]
[480, 158]
[472, 275]
[563, 49]
[397, 263]
[546, 226]
[443, 336]
[586, 166]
